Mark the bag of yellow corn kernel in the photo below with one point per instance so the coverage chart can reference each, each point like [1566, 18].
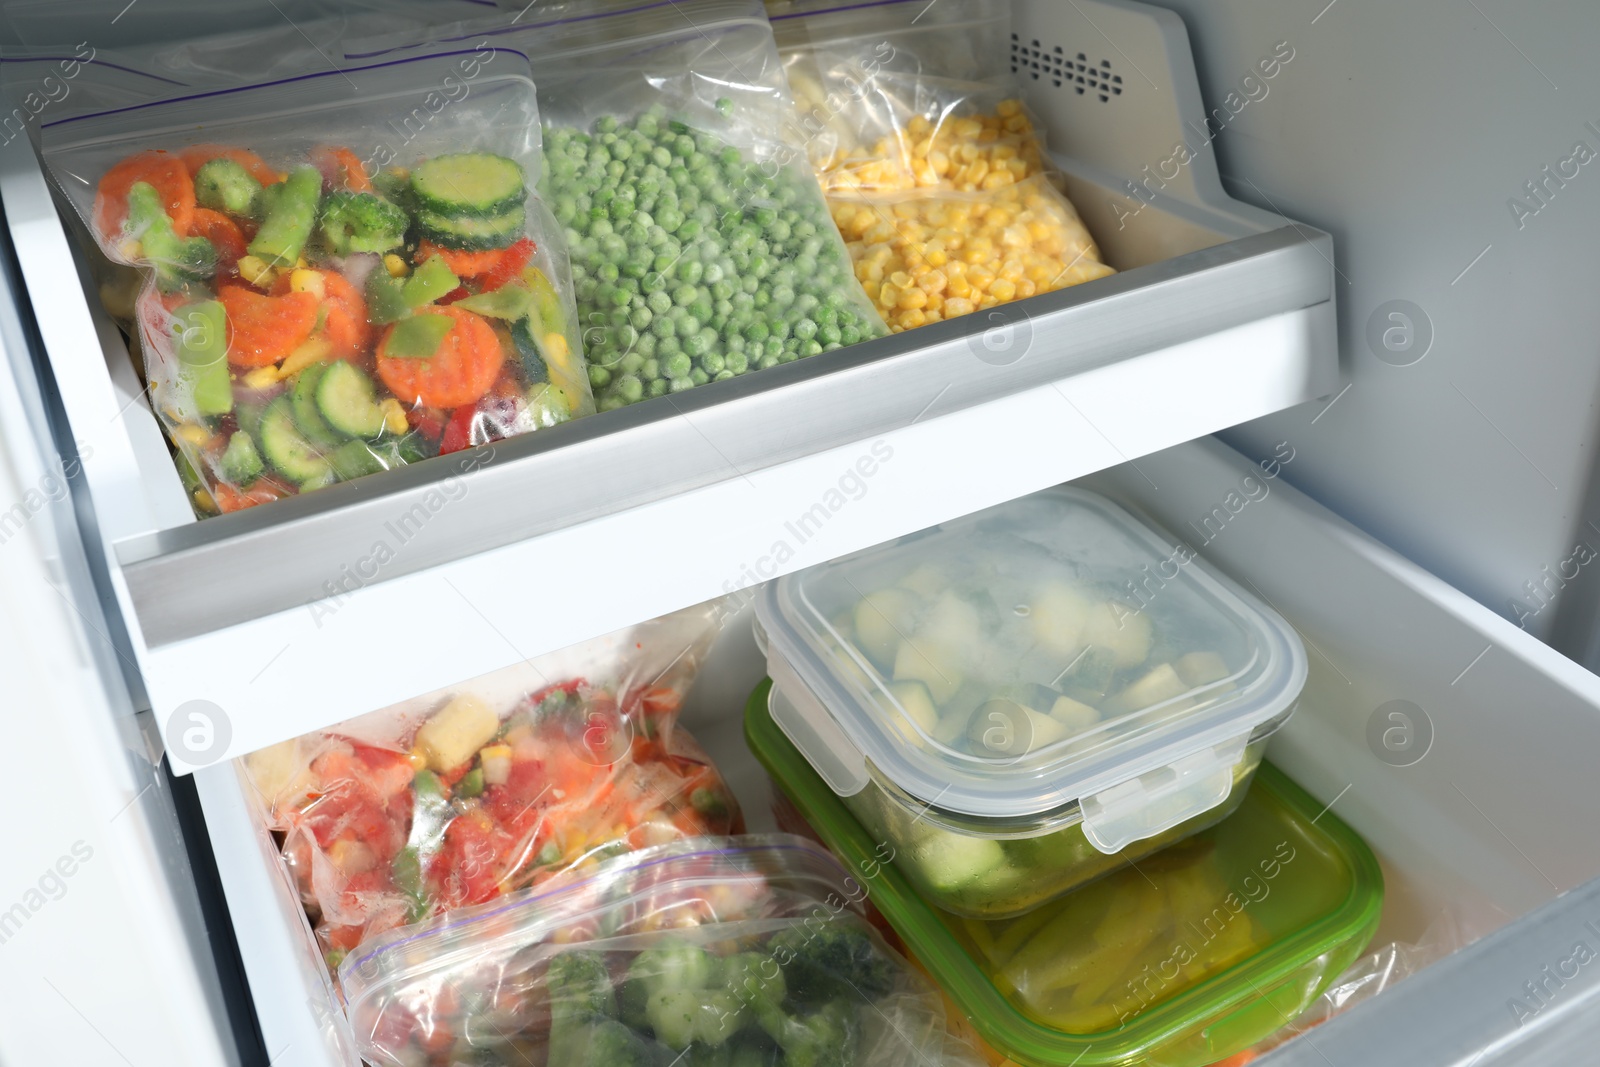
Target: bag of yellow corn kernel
[936, 176]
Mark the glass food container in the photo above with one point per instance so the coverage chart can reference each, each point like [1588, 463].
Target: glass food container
[1020, 701]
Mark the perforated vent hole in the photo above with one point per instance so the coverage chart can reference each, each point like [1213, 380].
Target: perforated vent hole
[1040, 61]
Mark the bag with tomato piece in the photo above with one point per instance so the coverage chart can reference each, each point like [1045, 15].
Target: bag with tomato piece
[743, 951]
[461, 796]
[343, 272]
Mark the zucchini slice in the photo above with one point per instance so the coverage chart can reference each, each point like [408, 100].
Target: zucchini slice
[347, 401]
[287, 449]
[303, 402]
[469, 183]
[470, 233]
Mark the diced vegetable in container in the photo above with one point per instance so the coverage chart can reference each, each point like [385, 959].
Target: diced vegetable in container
[326, 298]
[1182, 958]
[735, 952]
[1022, 700]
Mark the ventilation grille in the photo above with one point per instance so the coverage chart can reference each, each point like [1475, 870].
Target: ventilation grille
[1039, 61]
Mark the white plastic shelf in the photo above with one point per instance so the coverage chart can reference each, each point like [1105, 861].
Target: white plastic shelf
[305, 612]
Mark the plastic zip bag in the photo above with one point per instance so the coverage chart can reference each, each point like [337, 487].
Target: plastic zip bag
[701, 247]
[461, 796]
[936, 175]
[344, 272]
[740, 951]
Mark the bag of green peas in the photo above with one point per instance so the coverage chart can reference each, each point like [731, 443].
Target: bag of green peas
[700, 242]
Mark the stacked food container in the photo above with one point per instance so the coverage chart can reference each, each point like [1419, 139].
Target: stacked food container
[1036, 731]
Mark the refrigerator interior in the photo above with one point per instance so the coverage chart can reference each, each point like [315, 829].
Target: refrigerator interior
[1469, 812]
[1475, 834]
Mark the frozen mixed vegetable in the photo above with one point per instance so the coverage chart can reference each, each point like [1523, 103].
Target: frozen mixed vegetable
[694, 260]
[735, 953]
[325, 319]
[386, 823]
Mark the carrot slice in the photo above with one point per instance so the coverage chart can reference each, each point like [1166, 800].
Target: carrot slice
[459, 373]
[344, 315]
[345, 322]
[264, 329]
[462, 264]
[341, 167]
[197, 156]
[223, 233]
[162, 170]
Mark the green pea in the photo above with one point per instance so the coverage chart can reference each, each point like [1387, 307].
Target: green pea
[651, 368]
[658, 301]
[681, 385]
[684, 295]
[599, 377]
[737, 362]
[713, 362]
[630, 388]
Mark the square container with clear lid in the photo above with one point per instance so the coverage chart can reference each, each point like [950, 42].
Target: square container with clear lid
[1019, 700]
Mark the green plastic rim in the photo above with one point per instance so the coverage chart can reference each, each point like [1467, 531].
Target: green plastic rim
[1212, 1020]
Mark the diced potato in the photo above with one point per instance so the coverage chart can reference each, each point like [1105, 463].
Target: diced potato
[951, 729]
[1158, 684]
[279, 772]
[1074, 714]
[916, 663]
[952, 623]
[1002, 727]
[883, 619]
[1201, 668]
[1058, 616]
[914, 700]
[456, 732]
[1116, 627]
[925, 580]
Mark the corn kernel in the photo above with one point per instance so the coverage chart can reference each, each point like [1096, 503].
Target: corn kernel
[307, 281]
[394, 417]
[396, 266]
[195, 435]
[262, 378]
[912, 319]
[1003, 289]
[256, 272]
[912, 299]
[1007, 108]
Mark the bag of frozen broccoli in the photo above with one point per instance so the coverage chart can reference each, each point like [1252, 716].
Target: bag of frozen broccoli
[701, 247]
[344, 272]
[744, 950]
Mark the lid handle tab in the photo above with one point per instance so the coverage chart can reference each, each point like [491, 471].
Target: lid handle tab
[1161, 799]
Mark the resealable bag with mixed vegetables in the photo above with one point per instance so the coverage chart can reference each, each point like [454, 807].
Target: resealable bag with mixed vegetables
[461, 796]
[344, 272]
[701, 246]
[745, 950]
[936, 175]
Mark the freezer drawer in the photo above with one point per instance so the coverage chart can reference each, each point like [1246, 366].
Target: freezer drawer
[1470, 812]
[1222, 313]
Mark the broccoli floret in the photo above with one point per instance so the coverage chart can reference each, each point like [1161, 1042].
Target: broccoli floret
[827, 1037]
[223, 185]
[177, 260]
[361, 222]
[605, 1042]
[709, 802]
[757, 980]
[839, 958]
[582, 1001]
[580, 988]
[678, 966]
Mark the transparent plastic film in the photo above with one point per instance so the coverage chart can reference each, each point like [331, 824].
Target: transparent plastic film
[741, 951]
[343, 273]
[701, 245]
[462, 796]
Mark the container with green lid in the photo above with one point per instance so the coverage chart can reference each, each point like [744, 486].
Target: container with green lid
[1180, 959]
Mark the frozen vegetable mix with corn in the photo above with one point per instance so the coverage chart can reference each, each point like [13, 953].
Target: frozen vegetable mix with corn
[316, 318]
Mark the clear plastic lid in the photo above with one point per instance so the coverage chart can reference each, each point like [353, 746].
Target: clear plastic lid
[1049, 651]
